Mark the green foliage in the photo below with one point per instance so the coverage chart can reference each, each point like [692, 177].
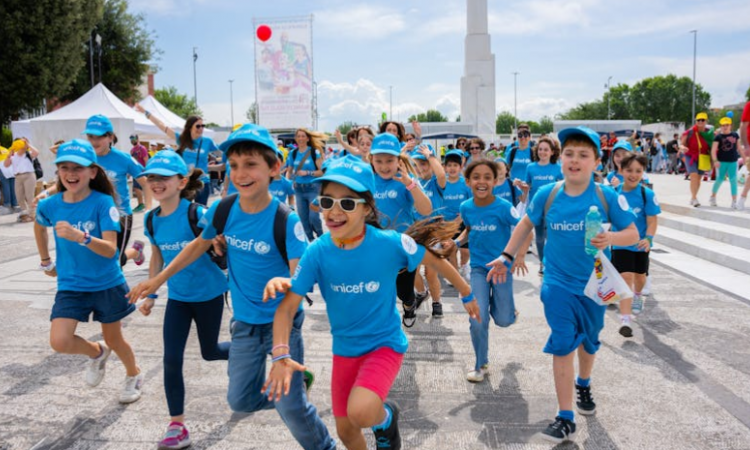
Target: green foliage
[252, 113]
[747, 94]
[180, 104]
[432, 115]
[505, 122]
[545, 125]
[596, 110]
[6, 138]
[41, 49]
[345, 128]
[458, 118]
[127, 47]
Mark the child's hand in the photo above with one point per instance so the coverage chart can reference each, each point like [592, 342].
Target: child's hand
[403, 175]
[473, 309]
[141, 290]
[424, 151]
[66, 231]
[498, 273]
[146, 306]
[280, 377]
[614, 182]
[220, 245]
[139, 108]
[417, 127]
[52, 273]
[644, 245]
[602, 240]
[274, 285]
[519, 266]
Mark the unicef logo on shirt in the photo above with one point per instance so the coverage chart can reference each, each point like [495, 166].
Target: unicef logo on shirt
[112, 175]
[623, 202]
[261, 248]
[409, 245]
[656, 202]
[299, 232]
[114, 214]
[392, 194]
[492, 227]
[372, 287]
[89, 226]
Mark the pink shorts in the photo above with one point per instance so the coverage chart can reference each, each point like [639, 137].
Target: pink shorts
[375, 371]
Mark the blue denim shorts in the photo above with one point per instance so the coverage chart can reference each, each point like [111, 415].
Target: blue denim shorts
[108, 306]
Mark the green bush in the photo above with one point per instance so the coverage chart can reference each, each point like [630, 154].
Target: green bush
[6, 138]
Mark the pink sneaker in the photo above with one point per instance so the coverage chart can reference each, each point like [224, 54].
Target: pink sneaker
[177, 437]
[140, 258]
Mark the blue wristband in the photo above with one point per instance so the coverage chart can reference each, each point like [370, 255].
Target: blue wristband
[506, 262]
[468, 298]
[280, 357]
[154, 296]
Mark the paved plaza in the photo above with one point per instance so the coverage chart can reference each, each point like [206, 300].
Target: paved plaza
[683, 381]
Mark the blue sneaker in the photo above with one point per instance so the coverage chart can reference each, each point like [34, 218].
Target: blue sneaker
[638, 302]
[389, 438]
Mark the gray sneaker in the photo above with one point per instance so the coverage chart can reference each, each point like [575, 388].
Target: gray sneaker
[98, 366]
[131, 390]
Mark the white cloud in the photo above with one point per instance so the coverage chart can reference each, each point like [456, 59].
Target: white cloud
[360, 22]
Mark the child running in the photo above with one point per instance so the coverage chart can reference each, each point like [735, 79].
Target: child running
[620, 149]
[456, 192]
[253, 258]
[542, 172]
[398, 196]
[504, 187]
[632, 261]
[89, 279]
[368, 340]
[575, 320]
[489, 221]
[433, 181]
[169, 229]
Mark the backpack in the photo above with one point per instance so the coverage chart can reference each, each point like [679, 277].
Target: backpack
[293, 155]
[37, 166]
[219, 260]
[599, 193]
[279, 225]
[512, 191]
[512, 155]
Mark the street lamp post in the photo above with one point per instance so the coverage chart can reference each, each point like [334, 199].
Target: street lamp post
[390, 110]
[515, 101]
[609, 95]
[91, 57]
[195, 79]
[98, 40]
[231, 103]
[695, 53]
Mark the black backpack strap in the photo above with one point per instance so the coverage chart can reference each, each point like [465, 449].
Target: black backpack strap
[512, 191]
[643, 194]
[150, 220]
[603, 199]
[222, 213]
[193, 218]
[279, 234]
[552, 196]
[511, 157]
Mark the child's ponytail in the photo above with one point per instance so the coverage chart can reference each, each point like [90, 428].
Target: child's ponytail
[194, 185]
[432, 232]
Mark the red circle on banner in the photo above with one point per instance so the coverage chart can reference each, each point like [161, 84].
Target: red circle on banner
[263, 32]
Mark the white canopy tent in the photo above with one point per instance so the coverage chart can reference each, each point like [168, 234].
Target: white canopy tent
[170, 119]
[69, 121]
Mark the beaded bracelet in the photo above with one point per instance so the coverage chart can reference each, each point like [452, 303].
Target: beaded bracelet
[280, 357]
[276, 347]
[468, 298]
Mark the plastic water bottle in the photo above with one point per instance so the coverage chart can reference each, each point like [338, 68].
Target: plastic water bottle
[593, 226]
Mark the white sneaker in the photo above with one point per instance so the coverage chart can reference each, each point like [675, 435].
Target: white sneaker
[712, 201]
[477, 376]
[741, 203]
[98, 366]
[131, 390]
[734, 205]
[695, 202]
[466, 272]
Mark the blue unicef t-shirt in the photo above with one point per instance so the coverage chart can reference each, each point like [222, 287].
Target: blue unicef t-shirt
[172, 233]
[455, 193]
[503, 190]
[434, 192]
[521, 160]
[360, 298]
[538, 175]
[641, 211]
[78, 268]
[118, 166]
[281, 189]
[612, 175]
[295, 157]
[566, 263]
[489, 228]
[192, 157]
[253, 258]
[395, 204]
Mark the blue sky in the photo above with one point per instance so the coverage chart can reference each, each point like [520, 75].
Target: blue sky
[564, 51]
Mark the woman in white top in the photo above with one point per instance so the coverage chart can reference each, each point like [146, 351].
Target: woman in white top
[21, 160]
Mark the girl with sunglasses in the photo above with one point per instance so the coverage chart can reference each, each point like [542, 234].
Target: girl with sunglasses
[475, 148]
[368, 341]
[192, 146]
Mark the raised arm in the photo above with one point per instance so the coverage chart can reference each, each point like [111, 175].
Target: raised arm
[155, 120]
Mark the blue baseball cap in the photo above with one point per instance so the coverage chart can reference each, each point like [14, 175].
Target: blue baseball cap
[166, 163]
[98, 125]
[622, 145]
[76, 151]
[251, 132]
[458, 153]
[385, 143]
[585, 132]
[351, 172]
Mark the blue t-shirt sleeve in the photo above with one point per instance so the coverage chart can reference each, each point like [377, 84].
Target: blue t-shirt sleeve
[134, 169]
[306, 274]
[108, 215]
[296, 239]
[509, 213]
[42, 216]
[145, 228]
[206, 222]
[535, 211]
[529, 171]
[412, 253]
[652, 207]
[620, 213]
[211, 146]
[462, 210]
[288, 188]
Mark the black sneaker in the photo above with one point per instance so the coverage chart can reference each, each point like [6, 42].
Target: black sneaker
[421, 297]
[560, 430]
[437, 310]
[626, 331]
[389, 438]
[585, 403]
[410, 315]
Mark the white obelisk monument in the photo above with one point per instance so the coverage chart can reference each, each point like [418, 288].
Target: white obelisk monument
[478, 82]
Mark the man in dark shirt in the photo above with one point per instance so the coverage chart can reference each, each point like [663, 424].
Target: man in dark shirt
[673, 151]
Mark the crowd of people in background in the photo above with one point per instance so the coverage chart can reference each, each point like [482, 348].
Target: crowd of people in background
[384, 217]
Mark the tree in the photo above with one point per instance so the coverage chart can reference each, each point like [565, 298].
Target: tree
[667, 99]
[346, 127]
[546, 125]
[41, 54]
[747, 94]
[180, 104]
[458, 117]
[505, 122]
[596, 110]
[619, 103]
[252, 113]
[432, 115]
[127, 47]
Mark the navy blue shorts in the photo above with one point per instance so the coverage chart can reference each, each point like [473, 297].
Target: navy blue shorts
[573, 320]
[137, 185]
[108, 306]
